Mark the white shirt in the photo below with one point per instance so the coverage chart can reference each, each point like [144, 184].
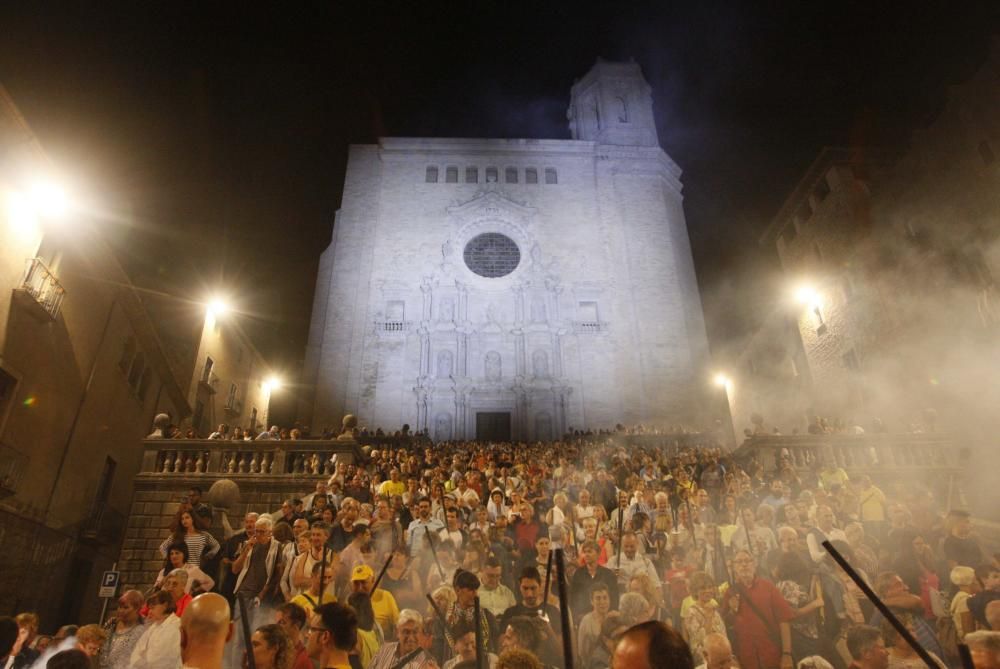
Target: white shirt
[159, 647]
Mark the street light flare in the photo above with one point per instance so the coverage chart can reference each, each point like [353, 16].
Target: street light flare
[49, 199]
[217, 307]
[808, 296]
[722, 380]
[272, 383]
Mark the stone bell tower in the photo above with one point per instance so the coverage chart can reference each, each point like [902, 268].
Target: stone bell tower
[612, 105]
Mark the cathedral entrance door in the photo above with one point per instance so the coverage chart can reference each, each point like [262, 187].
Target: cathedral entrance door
[493, 426]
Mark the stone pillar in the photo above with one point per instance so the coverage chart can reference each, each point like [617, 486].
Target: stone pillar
[519, 361]
[425, 352]
[462, 363]
[428, 295]
[557, 362]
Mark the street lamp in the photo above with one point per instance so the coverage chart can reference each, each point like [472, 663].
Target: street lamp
[809, 297]
[49, 199]
[722, 380]
[271, 384]
[217, 307]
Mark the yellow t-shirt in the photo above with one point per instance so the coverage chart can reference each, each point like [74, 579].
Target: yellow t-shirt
[389, 488]
[385, 609]
[308, 602]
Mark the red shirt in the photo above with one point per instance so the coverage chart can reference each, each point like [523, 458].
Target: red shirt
[758, 644]
[182, 603]
[302, 660]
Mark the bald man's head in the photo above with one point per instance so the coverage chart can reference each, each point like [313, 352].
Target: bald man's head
[205, 625]
[651, 645]
[717, 651]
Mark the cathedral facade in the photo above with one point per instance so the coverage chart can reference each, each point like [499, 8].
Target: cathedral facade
[512, 288]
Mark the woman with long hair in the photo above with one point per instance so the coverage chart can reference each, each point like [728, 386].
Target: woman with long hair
[177, 558]
[200, 544]
[272, 649]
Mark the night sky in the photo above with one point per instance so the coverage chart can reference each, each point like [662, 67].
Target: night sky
[224, 131]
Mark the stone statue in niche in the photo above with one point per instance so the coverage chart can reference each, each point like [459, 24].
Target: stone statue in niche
[540, 364]
[447, 310]
[492, 364]
[444, 364]
[442, 427]
[538, 310]
[446, 250]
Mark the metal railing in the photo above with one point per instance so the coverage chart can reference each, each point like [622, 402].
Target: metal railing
[392, 326]
[589, 327]
[41, 284]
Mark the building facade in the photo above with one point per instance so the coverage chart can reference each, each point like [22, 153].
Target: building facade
[512, 288]
[82, 374]
[891, 266]
[231, 384]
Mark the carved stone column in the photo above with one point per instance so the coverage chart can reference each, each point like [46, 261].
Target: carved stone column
[428, 294]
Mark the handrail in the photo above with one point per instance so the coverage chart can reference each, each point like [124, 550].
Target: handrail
[43, 286]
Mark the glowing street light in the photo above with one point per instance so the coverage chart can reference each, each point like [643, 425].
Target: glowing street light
[808, 296]
[217, 307]
[722, 380]
[49, 199]
[271, 384]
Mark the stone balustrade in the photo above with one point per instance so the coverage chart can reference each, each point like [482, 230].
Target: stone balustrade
[186, 457]
[865, 453]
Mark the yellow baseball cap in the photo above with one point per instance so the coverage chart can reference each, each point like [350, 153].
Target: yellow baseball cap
[362, 572]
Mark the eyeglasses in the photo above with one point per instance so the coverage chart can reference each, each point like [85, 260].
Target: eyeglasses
[318, 629]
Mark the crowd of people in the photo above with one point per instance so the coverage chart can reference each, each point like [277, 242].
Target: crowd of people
[671, 555]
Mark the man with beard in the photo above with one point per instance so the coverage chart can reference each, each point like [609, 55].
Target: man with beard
[530, 586]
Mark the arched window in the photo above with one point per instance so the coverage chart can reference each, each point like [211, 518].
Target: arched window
[550, 175]
[432, 174]
[491, 175]
[510, 175]
[531, 176]
[471, 175]
[622, 110]
[451, 174]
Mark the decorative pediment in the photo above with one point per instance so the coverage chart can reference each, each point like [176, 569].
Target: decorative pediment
[491, 201]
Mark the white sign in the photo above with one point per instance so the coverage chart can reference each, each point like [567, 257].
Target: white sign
[109, 584]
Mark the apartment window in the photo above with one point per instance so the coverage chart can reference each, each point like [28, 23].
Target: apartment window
[550, 176]
[144, 383]
[206, 372]
[128, 352]
[531, 176]
[135, 373]
[431, 176]
[231, 398]
[510, 175]
[104, 487]
[492, 176]
[471, 175]
[986, 153]
[451, 175]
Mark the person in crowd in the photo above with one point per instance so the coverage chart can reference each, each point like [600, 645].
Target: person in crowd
[702, 617]
[176, 585]
[906, 606]
[25, 655]
[159, 647]
[901, 654]
[384, 606]
[984, 646]
[90, 638]
[292, 619]
[531, 604]
[11, 638]
[757, 539]
[589, 633]
[824, 530]
[867, 648]
[272, 648]
[630, 562]
[989, 576]
[993, 615]
[717, 653]
[462, 610]
[963, 578]
[177, 558]
[585, 577]
[231, 550]
[205, 630]
[758, 616]
[464, 635]
[370, 634]
[125, 634]
[651, 645]
[201, 544]
[310, 599]
[406, 652]
[72, 658]
[494, 596]
[258, 566]
[960, 547]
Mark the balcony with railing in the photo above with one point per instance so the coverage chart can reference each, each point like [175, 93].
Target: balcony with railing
[13, 464]
[589, 327]
[42, 286]
[392, 327]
